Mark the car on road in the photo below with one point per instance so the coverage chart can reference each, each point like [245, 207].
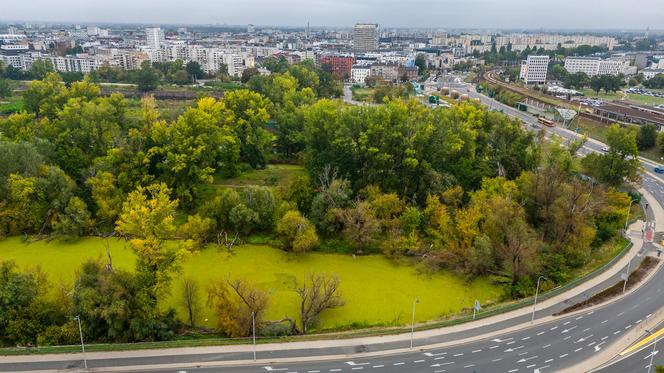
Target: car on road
[605, 149]
[659, 170]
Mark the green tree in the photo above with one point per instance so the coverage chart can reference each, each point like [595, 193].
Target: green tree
[247, 113]
[74, 221]
[5, 88]
[421, 63]
[147, 78]
[647, 136]
[620, 163]
[296, 233]
[40, 68]
[194, 70]
[181, 77]
[147, 220]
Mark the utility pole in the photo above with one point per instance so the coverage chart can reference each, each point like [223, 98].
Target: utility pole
[80, 333]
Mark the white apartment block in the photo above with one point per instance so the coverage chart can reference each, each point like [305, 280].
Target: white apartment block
[359, 73]
[596, 66]
[651, 73]
[533, 70]
[154, 37]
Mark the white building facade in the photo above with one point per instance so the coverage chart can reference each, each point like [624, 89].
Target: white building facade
[592, 66]
[359, 74]
[533, 69]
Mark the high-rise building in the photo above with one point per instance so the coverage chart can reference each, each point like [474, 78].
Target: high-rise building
[533, 70]
[251, 28]
[365, 37]
[154, 37]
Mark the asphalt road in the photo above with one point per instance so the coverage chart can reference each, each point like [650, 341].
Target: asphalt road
[543, 348]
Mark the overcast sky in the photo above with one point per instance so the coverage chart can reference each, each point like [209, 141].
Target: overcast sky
[616, 14]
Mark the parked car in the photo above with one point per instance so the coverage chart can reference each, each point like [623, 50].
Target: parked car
[605, 149]
[659, 170]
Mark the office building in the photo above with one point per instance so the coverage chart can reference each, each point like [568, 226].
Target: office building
[365, 37]
[533, 69]
[154, 37]
[596, 66]
[651, 73]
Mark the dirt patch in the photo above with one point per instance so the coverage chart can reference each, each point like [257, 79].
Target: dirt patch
[635, 277]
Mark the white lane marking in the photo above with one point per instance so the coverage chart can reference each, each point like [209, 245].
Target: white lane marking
[585, 330]
[638, 321]
[525, 338]
[352, 363]
[563, 355]
[399, 363]
[604, 322]
[523, 353]
[335, 370]
[566, 323]
[628, 326]
[475, 351]
[566, 338]
[579, 318]
[578, 349]
[439, 357]
[648, 315]
[554, 328]
[509, 343]
[540, 333]
[498, 359]
[513, 370]
[605, 337]
[530, 366]
[430, 354]
[270, 369]
[459, 354]
[590, 313]
[523, 360]
[545, 346]
[591, 343]
[313, 371]
[418, 361]
[357, 368]
[378, 366]
[548, 361]
[469, 366]
[492, 347]
[620, 314]
[616, 332]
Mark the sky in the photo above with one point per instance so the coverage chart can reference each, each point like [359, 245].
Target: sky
[442, 14]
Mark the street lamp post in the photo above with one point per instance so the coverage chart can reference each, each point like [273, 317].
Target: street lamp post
[80, 333]
[412, 324]
[627, 275]
[532, 319]
[253, 330]
[652, 354]
[629, 209]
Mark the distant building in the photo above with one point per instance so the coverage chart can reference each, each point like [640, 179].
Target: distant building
[251, 28]
[596, 66]
[154, 37]
[651, 73]
[533, 69]
[408, 73]
[386, 71]
[359, 74]
[641, 61]
[339, 65]
[365, 37]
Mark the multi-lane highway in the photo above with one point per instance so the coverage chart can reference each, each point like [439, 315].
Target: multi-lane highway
[540, 347]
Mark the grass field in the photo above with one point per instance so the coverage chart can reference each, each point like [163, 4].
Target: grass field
[272, 175]
[362, 94]
[377, 291]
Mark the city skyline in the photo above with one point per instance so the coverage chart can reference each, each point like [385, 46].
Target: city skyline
[508, 14]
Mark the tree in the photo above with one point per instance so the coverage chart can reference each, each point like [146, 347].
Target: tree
[620, 163]
[181, 77]
[647, 136]
[248, 73]
[45, 97]
[17, 292]
[194, 70]
[235, 302]
[147, 220]
[317, 293]
[191, 299]
[360, 225]
[40, 68]
[147, 78]
[421, 63]
[656, 82]
[247, 113]
[5, 88]
[296, 232]
[196, 231]
[74, 221]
